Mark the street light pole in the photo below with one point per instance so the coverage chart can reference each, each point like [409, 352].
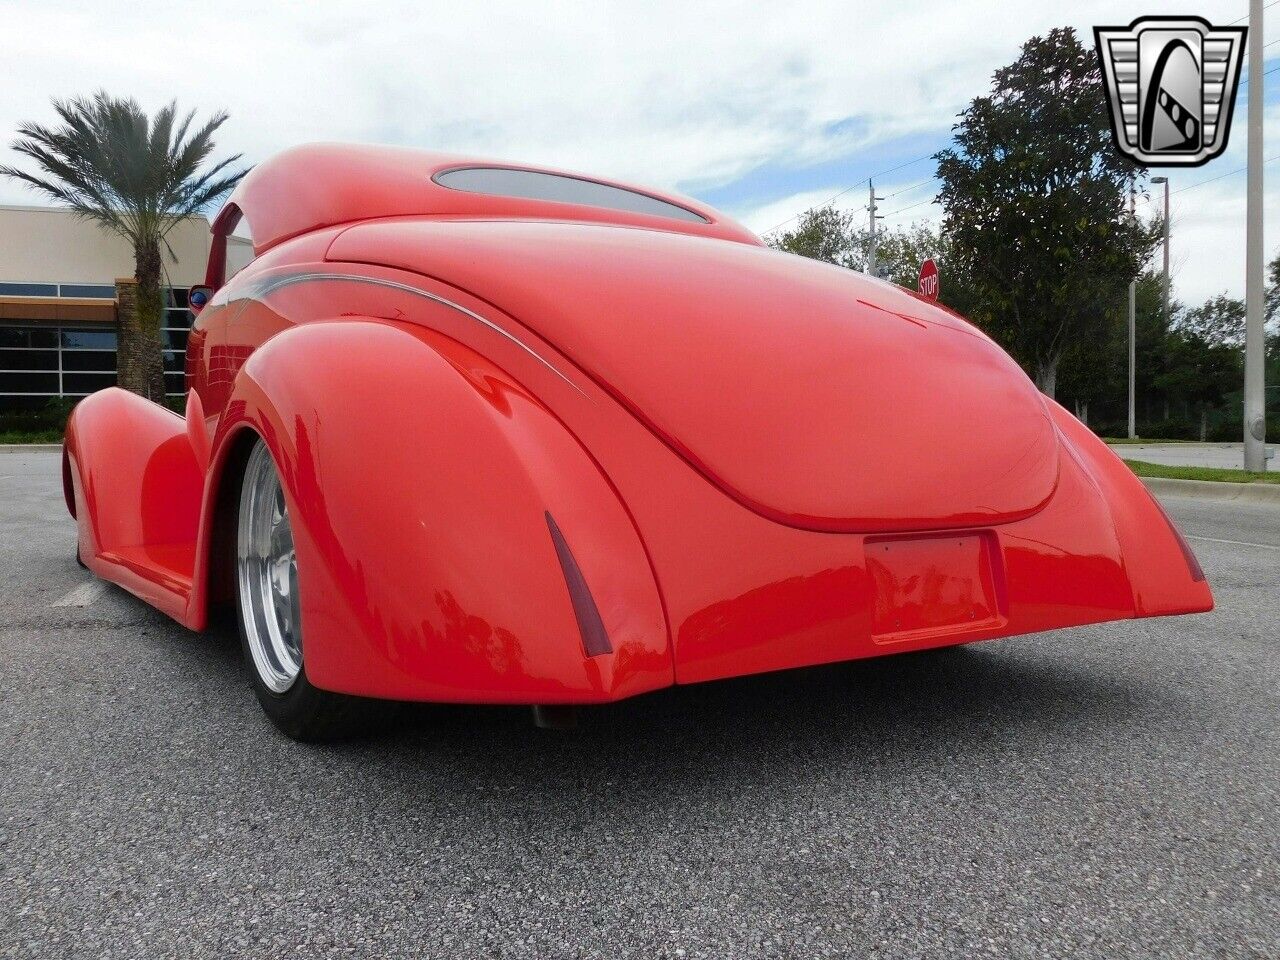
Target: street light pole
[1164, 287]
[1133, 357]
[1133, 342]
[1255, 426]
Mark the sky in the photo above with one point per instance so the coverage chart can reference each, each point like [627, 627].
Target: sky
[761, 109]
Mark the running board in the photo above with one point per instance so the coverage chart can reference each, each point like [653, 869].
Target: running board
[160, 575]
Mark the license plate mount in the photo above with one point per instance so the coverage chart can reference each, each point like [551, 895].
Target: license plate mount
[933, 585]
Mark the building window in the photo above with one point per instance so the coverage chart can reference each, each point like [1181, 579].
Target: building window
[89, 291]
[88, 339]
[23, 382]
[96, 291]
[29, 338]
[94, 361]
[28, 361]
[14, 360]
[29, 289]
[40, 360]
[83, 384]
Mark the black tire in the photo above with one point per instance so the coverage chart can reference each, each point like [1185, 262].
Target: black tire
[306, 713]
[302, 711]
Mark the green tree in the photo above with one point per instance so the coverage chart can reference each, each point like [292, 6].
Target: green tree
[1035, 196]
[1219, 320]
[138, 176]
[1272, 308]
[836, 237]
[1272, 302]
[1199, 373]
[826, 234]
[901, 251]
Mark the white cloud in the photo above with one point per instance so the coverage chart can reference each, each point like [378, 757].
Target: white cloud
[1207, 215]
[1207, 223]
[664, 92]
[903, 203]
[781, 213]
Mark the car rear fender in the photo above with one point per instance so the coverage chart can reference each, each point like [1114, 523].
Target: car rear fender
[1165, 576]
[446, 524]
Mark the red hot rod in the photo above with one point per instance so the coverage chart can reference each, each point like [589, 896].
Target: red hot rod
[470, 431]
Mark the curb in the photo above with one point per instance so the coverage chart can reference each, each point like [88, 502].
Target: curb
[1268, 493]
[30, 446]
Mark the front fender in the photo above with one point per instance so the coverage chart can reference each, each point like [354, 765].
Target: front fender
[420, 479]
[133, 479]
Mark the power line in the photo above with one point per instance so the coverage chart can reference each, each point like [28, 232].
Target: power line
[855, 186]
[909, 163]
[1221, 176]
[910, 207]
[1264, 73]
[1191, 186]
[1246, 16]
[914, 186]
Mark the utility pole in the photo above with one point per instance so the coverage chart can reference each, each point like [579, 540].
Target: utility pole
[871, 241]
[1133, 338]
[1255, 424]
[1164, 287]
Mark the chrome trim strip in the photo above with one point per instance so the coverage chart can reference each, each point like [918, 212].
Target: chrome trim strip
[262, 289]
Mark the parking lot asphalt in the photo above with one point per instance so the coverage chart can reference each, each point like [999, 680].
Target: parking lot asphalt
[1100, 792]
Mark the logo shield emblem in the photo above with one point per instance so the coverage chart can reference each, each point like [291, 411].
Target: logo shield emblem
[1171, 83]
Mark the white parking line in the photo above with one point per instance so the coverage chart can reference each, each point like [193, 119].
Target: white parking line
[83, 595]
[1236, 543]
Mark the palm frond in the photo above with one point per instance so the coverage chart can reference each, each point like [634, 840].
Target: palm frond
[137, 175]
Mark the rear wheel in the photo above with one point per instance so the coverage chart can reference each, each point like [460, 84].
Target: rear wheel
[270, 613]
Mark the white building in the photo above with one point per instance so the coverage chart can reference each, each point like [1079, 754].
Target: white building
[57, 301]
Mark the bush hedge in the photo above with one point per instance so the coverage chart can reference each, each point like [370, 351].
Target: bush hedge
[41, 424]
[1175, 428]
[52, 416]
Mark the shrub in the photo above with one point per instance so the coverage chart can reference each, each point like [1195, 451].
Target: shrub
[52, 416]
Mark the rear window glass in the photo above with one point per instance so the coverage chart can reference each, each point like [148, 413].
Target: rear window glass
[533, 185]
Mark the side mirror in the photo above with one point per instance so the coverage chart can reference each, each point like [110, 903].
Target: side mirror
[198, 298]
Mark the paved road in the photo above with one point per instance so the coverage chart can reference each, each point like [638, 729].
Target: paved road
[1103, 792]
[1226, 455]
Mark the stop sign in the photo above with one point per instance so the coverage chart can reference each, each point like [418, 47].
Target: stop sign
[928, 283]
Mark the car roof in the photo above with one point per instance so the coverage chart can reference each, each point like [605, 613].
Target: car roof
[325, 184]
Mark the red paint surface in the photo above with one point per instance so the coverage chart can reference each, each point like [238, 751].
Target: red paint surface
[931, 583]
[320, 185]
[757, 462]
[812, 394]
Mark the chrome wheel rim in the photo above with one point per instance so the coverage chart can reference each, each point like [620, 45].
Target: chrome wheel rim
[267, 573]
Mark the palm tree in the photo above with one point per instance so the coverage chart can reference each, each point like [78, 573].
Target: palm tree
[138, 176]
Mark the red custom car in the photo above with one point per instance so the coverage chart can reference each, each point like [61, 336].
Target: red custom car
[466, 431]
